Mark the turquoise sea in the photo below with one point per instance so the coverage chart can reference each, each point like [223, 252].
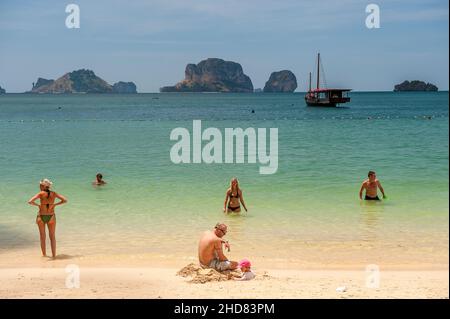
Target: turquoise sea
[307, 212]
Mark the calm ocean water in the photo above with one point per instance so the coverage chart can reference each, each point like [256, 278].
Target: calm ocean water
[310, 207]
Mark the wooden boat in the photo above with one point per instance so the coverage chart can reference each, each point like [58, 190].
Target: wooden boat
[324, 96]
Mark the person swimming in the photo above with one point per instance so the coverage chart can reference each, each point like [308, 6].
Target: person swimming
[99, 180]
[234, 198]
[46, 214]
[371, 186]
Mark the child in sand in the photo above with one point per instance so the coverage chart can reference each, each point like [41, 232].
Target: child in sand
[245, 267]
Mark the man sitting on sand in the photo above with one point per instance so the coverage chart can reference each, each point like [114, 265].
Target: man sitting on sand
[210, 252]
[371, 186]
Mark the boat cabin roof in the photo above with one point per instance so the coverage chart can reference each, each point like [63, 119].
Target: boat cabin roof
[330, 90]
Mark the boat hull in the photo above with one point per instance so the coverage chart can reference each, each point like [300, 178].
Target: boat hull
[321, 104]
[332, 102]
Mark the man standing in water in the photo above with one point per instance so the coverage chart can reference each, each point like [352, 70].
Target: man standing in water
[371, 186]
[210, 252]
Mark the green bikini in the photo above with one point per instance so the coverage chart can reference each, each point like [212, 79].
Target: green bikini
[45, 218]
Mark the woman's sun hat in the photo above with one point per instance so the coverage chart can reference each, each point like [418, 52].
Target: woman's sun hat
[46, 182]
[245, 263]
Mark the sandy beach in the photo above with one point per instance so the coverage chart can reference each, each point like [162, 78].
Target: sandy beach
[131, 277]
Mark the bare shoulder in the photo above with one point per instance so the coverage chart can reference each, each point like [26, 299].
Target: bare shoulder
[209, 236]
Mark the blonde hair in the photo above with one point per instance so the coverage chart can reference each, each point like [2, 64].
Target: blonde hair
[237, 185]
[46, 183]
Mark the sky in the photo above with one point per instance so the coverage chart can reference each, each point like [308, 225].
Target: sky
[150, 42]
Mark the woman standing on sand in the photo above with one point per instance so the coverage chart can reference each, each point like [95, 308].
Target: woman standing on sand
[234, 198]
[46, 214]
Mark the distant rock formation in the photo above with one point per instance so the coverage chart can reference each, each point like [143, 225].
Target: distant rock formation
[213, 75]
[2, 90]
[281, 82]
[124, 87]
[41, 82]
[415, 86]
[79, 81]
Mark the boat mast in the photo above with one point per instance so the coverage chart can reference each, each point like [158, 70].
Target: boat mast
[309, 81]
[318, 69]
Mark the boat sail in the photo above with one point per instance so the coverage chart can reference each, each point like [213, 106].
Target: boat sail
[325, 96]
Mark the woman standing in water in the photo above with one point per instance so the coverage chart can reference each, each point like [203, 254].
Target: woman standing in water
[234, 198]
[46, 214]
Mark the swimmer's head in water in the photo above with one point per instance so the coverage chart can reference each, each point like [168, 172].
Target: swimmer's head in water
[45, 183]
[220, 229]
[372, 175]
[99, 176]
